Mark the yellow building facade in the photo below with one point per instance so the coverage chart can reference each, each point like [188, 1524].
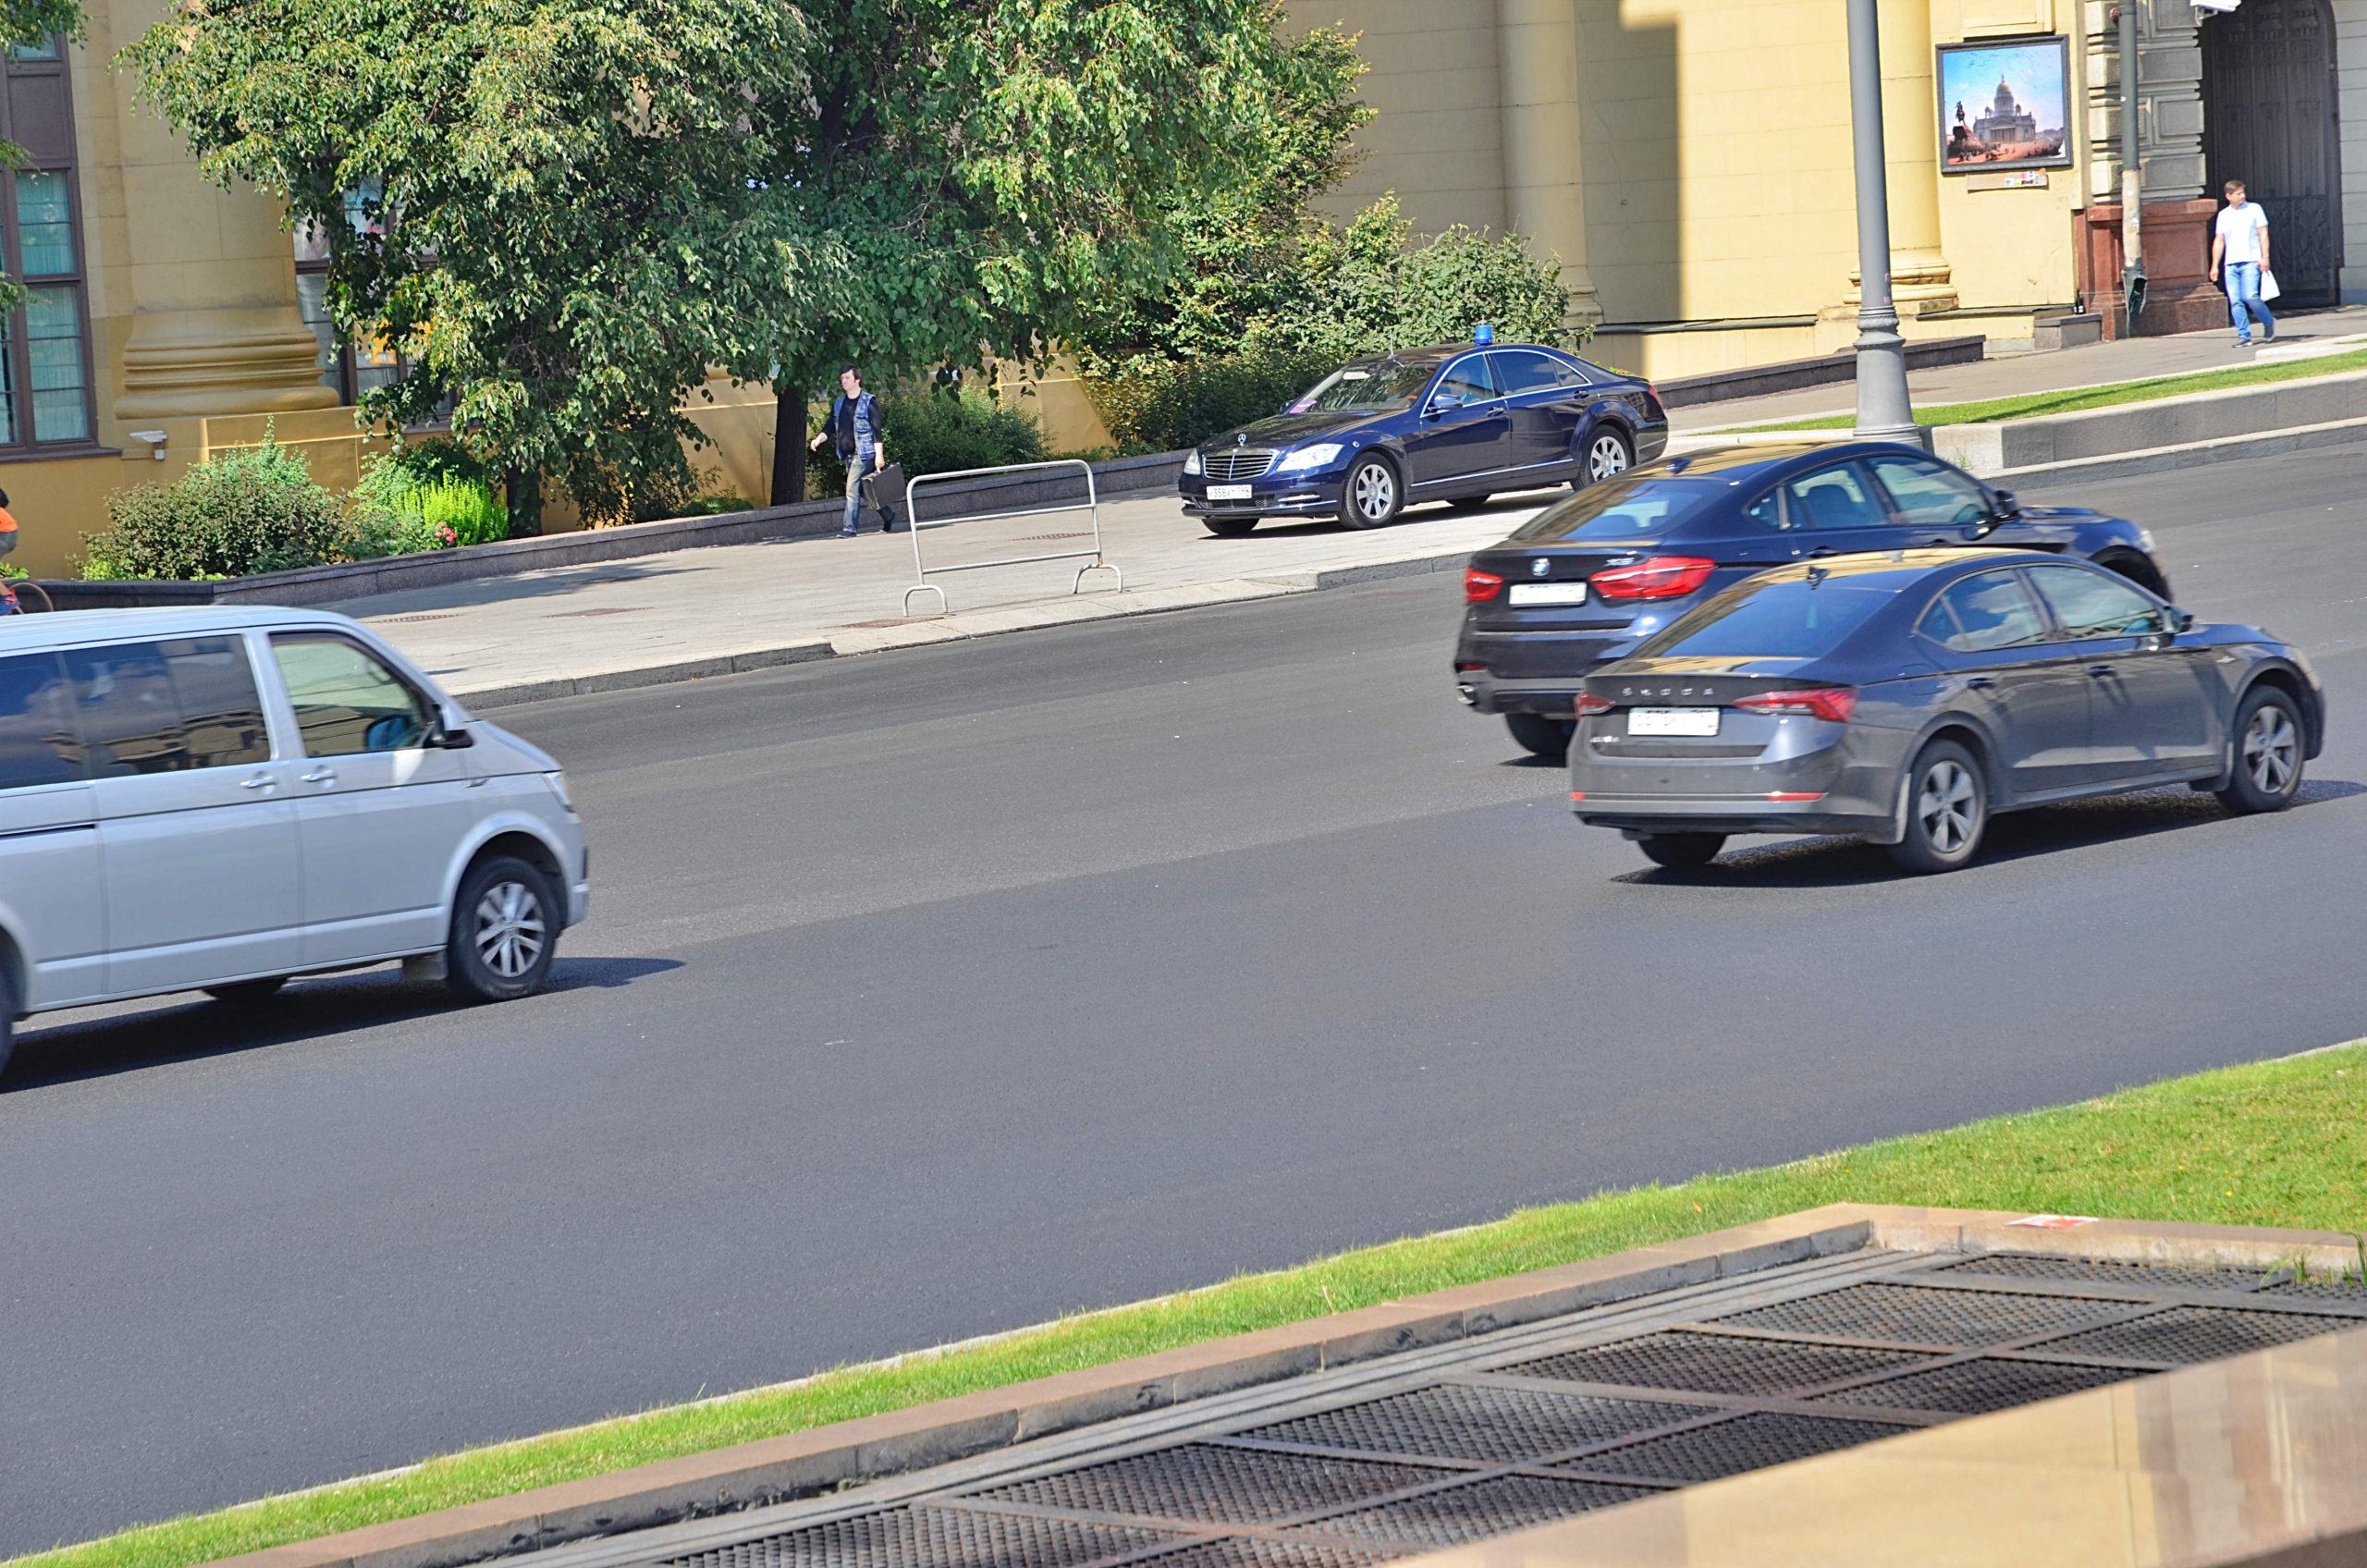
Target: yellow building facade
[1689, 161]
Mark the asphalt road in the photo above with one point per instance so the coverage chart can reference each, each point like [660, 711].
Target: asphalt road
[937, 992]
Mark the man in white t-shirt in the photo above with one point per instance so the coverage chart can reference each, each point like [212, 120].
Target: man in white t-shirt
[2240, 241]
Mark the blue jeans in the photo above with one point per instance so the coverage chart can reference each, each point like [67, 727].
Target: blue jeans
[2243, 301]
[857, 466]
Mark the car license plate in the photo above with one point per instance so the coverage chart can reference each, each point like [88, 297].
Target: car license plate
[1672, 721]
[1230, 492]
[1548, 593]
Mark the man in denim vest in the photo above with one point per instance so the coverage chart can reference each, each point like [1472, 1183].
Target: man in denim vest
[855, 426]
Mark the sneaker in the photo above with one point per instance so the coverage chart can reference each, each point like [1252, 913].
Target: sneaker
[2243, 342]
[2268, 333]
[846, 533]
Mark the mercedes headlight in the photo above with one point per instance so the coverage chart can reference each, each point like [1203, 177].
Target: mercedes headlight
[1192, 460]
[1317, 456]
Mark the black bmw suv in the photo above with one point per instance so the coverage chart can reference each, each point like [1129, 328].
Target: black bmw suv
[1590, 577]
[1459, 422]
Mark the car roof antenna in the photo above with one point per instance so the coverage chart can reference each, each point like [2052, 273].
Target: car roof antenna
[1817, 575]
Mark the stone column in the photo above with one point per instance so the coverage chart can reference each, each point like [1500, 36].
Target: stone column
[1921, 280]
[1536, 53]
[215, 327]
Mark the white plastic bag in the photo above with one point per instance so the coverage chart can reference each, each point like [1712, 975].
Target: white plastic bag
[2268, 289]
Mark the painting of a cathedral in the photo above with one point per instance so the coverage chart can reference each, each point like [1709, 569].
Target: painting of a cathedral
[2005, 105]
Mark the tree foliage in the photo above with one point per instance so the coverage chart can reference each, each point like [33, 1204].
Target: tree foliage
[577, 207]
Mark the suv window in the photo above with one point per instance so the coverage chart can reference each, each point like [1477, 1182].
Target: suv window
[1468, 382]
[1982, 614]
[38, 742]
[2089, 603]
[1930, 495]
[1526, 369]
[347, 701]
[1834, 499]
[164, 707]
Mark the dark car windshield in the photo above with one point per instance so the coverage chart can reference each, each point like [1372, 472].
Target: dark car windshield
[1787, 619]
[1382, 384]
[1628, 506]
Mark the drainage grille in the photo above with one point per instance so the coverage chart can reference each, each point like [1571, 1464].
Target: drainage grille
[1204, 1481]
[1976, 1388]
[931, 1537]
[1248, 1551]
[2320, 1290]
[2141, 1276]
[1924, 1316]
[1716, 1363]
[2182, 1334]
[1473, 1512]
[1454, 1421]
[1747, 1443]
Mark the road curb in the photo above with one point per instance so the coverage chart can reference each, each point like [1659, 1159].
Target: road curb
[2193, 454]
[646, 675]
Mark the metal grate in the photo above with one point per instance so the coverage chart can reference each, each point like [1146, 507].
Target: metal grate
[1494, 1507]
[1203, 1481]
[1747, 1443]
[1249, 1551]
[2101, 1271]
[1238, 463]
[1924, 1316]
[1976, 1388]
[1452, 1421]
[931, 1537]
[1716, 1363]
[2181, 1334]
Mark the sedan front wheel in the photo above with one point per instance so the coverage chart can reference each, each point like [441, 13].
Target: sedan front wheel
[2268, 753]
[1372, 495]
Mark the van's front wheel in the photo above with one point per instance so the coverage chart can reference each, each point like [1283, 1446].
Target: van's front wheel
[504, 931]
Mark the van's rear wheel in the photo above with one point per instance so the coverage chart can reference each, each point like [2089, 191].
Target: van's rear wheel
[7, 1018]
[247, 991]
[1681, 852]
[504, 931]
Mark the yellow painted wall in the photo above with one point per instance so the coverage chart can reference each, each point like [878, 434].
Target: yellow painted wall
[2016, 247]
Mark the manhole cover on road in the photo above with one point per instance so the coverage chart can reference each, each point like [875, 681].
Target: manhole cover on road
[607, 609]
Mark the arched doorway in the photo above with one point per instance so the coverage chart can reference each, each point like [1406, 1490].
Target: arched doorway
[2268, 109]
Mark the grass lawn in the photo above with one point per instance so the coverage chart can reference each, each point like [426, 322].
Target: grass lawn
[2279, 1143]
[2030, 405]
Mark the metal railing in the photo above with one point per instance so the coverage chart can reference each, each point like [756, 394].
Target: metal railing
[923, 571]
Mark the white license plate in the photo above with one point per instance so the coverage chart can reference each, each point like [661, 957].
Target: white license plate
[1548, 593]
[1230, 492]
[1672, 721]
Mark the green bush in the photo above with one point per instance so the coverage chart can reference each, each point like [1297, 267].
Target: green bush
[251, 510]
[933, 431]
[1154, 406]
[427, 495]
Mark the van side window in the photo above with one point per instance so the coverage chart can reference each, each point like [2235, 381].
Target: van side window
[347, 702]
[38, 741]
[161, 707]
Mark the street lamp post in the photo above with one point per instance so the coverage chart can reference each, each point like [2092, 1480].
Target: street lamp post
[1884, 410]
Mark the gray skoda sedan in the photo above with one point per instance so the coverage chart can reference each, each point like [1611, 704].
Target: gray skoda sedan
[1907, 697]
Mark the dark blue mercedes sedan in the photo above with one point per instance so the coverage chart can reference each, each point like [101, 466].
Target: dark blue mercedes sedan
[1455, 424]
[1592, 576]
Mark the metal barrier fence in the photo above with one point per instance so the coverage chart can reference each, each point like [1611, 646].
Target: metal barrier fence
[923, 571]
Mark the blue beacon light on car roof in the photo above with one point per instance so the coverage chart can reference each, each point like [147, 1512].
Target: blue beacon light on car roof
[1483, 333]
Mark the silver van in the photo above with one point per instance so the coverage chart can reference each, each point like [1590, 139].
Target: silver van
[218, 799]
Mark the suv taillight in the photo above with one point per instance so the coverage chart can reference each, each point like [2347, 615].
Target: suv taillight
[1478, 587]
[1663, 577]
[1834, 703]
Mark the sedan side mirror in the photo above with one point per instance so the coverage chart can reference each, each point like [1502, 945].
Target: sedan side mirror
[2008, 508]
[2177, 620]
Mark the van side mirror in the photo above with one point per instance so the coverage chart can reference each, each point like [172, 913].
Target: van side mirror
[449, 739]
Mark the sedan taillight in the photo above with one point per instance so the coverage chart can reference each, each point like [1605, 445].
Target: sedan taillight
[1478, 587]
[1663, 577]
[1589, 705]
[1834, 703]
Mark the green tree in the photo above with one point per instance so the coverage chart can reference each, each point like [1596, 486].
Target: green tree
[563, 209]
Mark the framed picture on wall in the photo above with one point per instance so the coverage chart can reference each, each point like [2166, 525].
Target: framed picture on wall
[2004, 105]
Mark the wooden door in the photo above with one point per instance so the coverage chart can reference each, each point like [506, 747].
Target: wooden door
[2269, 109]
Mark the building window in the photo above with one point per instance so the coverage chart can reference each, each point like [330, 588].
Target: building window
[45, 348]
[347, 369]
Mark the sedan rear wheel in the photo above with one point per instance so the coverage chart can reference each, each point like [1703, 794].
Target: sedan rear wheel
[1547, 738]
[1682, 851]
[1372, 495]
[2268, 753]
[1609, 453]
[1947, 810]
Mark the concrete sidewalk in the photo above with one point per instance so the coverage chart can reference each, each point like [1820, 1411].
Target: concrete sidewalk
[659, 619]
[2096, 365]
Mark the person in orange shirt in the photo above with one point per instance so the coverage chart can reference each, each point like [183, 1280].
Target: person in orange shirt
[7, 526]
